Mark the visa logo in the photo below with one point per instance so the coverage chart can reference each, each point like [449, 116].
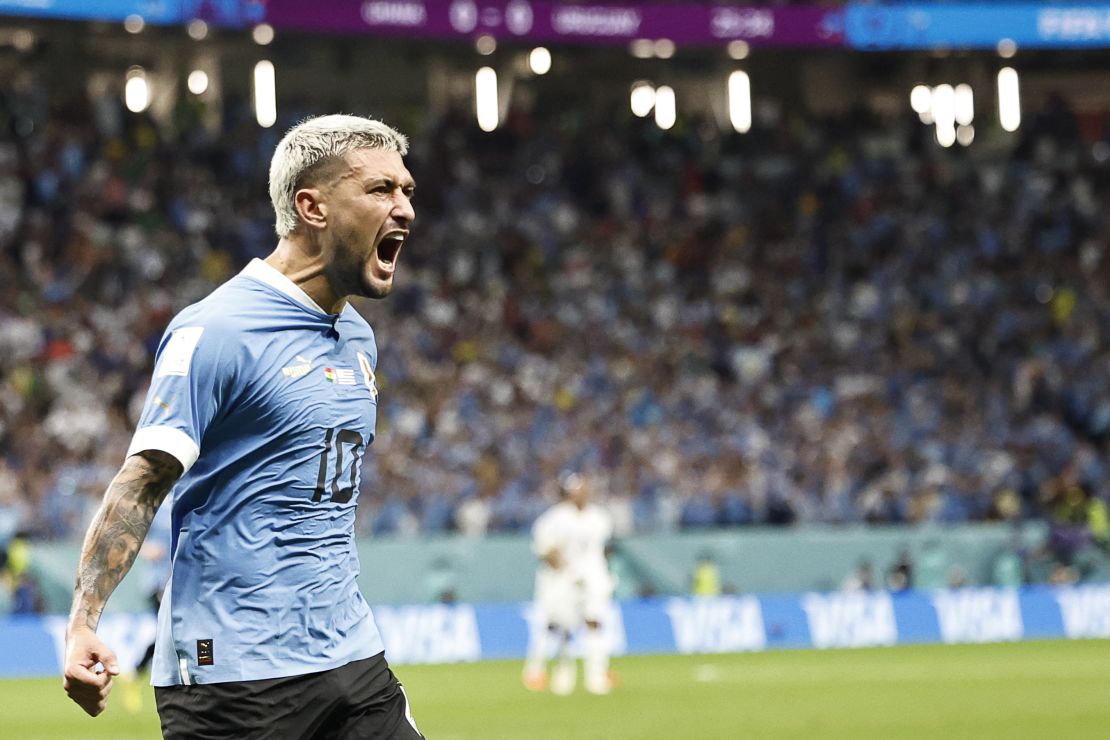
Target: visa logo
[429, 634]
[850, 619]
[978, 615]
[717, 625]
[1085, 610]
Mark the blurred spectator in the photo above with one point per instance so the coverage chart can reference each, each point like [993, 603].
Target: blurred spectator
[706, 578]
[957, 577]
[27, 596]
[900, 575]
[861, 579]
[19, 581]
[1009, 569]
[818, 322]
[441, 580]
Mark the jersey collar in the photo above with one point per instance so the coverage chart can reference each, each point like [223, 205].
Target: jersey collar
[260, 270]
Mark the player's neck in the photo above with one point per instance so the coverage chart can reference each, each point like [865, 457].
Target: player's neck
[307, 274]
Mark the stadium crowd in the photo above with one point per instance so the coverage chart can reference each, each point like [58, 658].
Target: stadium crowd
[828, 321]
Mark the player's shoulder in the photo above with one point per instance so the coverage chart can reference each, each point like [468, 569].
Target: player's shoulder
[563, 512]
[599, 512]
[552, 513]
[355, 325]
[225, 311]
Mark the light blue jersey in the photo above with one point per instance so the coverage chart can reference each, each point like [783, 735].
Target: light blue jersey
[269, 404]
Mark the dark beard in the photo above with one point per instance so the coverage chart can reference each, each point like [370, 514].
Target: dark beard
[353, 280]
[377, 292]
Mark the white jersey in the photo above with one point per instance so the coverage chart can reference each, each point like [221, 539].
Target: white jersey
[579, 536]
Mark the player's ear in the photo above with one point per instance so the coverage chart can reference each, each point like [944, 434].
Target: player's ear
[311, 207]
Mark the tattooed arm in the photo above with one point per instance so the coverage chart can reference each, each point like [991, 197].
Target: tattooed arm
[114, 538]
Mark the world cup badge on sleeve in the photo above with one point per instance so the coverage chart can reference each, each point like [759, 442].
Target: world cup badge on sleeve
[368, 375]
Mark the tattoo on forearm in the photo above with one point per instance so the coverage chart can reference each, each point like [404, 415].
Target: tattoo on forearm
[118, 530]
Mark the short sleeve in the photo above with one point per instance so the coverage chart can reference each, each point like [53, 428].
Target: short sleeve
[191, 372]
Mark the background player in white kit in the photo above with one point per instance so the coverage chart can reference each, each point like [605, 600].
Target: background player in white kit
[574, 589]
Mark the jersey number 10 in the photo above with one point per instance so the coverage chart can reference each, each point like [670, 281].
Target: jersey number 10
[334, 443]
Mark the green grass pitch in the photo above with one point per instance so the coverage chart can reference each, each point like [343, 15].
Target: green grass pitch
[1036, 690]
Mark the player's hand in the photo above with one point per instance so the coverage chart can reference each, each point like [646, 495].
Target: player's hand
[83, 683]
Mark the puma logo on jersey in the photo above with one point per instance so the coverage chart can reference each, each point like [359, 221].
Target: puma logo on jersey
[297, 371]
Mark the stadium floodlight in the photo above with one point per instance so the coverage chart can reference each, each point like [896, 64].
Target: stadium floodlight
[263, 34]
[485, 98]
[946, 136]
[1009, 99]
[965, 135]
[265, 94]
[664, 48]
[539, 60]
[944, 114]
[642, 99]
[485, 45]
[921, 99]
[965, 104]
[665, 108]
[134, 24]
[738, 49]
[197, 82]
[136, 91]
[23, 39]
[642, 49]
[740, 101]
[197, 29]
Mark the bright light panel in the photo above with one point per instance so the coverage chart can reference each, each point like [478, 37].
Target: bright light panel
[642, 99]
[263, 34]
[965, 135]
[921, 99]
[642, 49]
[965, 105]
[740, 101]
[1009, 99]
[540, 60]
[485, 45]
[485, 98]
[198, 82]
[944, 114]
[738, 49]
[136, 92]
[665, 110]
[197, 30]
[265, 94]
[664, 48]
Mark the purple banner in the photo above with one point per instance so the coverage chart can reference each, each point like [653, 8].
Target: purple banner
[536, 20]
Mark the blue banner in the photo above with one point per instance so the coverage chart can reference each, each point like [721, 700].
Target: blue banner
[157, 12]
[976, 25]
[456, 633]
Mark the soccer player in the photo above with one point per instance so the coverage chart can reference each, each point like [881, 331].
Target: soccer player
[574, 589]
[262, 404]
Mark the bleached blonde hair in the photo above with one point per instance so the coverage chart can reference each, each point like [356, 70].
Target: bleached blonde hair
[314, 141]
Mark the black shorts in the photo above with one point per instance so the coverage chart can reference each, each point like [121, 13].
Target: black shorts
[359, 701]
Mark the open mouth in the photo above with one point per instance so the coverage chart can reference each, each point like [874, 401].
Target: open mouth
[388, 250]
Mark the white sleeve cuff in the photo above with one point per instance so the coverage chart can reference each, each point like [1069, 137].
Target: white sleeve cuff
[169, 440]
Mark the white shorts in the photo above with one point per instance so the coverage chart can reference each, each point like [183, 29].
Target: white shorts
[568, 601]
